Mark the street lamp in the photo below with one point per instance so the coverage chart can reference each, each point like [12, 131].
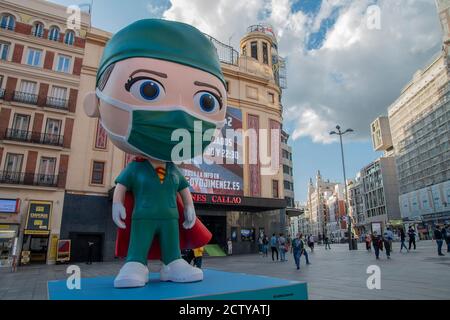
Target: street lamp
[349, 221]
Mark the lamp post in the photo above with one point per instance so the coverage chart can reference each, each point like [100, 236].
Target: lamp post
[349, 221]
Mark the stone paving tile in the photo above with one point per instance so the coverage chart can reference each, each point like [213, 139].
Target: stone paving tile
[334, 274]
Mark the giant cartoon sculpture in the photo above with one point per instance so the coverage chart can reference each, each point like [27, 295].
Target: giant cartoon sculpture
[157, 76]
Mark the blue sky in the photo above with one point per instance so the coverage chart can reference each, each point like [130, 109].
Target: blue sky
[342, 69]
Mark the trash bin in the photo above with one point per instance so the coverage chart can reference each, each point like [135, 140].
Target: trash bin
[354, 244]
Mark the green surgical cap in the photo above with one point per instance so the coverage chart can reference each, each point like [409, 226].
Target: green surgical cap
[165, 40]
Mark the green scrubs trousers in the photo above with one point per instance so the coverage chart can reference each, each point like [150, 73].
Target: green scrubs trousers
[142, 233]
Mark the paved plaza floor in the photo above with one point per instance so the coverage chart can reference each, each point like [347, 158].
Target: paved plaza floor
[334, 274]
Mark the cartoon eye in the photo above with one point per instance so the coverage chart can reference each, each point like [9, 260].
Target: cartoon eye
[147, 90]
[206, 101]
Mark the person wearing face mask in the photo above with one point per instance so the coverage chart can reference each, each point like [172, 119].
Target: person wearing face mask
[160, 96]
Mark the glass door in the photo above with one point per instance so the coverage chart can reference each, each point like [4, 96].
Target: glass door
[46, 174]
[13, 168]
[53, 132]
[20, 127]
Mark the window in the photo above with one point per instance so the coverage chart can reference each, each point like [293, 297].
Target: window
[4, 50]
[7, 22]
[53, 132]
[97, 172]
[69, 38]
[63, 64]
[20, 125]
[244, 50]
[101, 138]
[28, 87]
[58, 97]
[271, 97]
[227, 86]
[38, 30]
[265, 53]
[53, 34]
[13, 162]
[34, 57]
[46, 174]
[254, 49]
[275, 188]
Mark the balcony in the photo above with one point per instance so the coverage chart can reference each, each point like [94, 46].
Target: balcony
[24, 97]
[34, 137]
[57, 103]
[28, 179]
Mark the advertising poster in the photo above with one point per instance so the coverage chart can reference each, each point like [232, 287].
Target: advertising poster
[63, 253]
[225, 177]
[38, 221]
[376, 227]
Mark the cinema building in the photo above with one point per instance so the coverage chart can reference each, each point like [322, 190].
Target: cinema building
[236, 201]
[40, 65]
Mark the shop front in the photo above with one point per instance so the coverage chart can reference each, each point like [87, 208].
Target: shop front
[241, 219]
[9, 230]
[36, 238]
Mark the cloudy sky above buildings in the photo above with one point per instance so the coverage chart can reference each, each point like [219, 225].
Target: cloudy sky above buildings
[341, 68]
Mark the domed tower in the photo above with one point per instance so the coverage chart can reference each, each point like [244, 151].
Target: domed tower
[260, 43]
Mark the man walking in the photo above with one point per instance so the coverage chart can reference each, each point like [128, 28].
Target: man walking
[412, 237]
[377, 244]
[282, 247]
[446, 236]
[402, 239]
[327, 243]
[273, 246]
[297, 247]
[388, 237]
[304, 252]
[311, 242]
[439, 240]
[265, 245]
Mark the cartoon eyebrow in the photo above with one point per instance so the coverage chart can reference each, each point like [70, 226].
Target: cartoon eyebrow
[156, 73]
[202, 84]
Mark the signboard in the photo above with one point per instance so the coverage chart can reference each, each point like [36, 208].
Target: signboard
[376, 227]
[38, 220]
[220, 170]
[9, 205]
[63, 253]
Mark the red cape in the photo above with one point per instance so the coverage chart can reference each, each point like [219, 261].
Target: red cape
[193, 238]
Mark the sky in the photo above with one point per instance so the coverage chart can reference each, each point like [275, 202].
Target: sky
[347, 61]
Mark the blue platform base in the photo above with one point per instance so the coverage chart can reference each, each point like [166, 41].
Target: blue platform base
[217, 285]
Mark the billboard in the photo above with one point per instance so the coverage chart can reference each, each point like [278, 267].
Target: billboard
[38, 220]
[210, 176]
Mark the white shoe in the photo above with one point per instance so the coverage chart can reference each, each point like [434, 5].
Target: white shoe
[180, 271]
[131, 275]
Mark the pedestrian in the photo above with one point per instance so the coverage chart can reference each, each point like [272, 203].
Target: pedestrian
[282, 247]
[274, 246]
[298, 248]
[265, 246]
[446, 236]
[377, 243]
[90, 252]
[387, 244]
[304, 251]
[198, 257]
[289, 243]
[368, 242]
[327, 243]
[439, 240]
[412, 237]
[311, 242]
[388, 237]
[402, 240]
[230, 247]
[260, 244]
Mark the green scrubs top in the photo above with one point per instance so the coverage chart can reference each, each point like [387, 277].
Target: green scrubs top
[153, 199]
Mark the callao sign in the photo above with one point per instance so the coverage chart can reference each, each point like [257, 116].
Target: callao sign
[216, 199]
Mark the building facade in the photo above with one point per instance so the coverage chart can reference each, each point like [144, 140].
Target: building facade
[379, 188]
[40, 66]
[318, 195]
[254, 205]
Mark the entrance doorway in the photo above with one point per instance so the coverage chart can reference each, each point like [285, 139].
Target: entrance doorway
[85, 244]
[35, 248]
[217, 225]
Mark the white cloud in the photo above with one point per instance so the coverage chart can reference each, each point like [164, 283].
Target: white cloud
[353, 77]
[155, 10]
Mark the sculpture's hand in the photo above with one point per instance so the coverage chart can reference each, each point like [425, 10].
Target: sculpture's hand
[189, 217]
[119, 214]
